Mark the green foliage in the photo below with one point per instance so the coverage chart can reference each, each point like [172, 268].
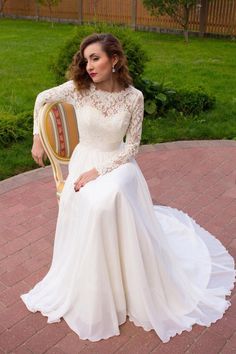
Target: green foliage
[136, 56]
[193, 102]
[14, 128]
[161, 99]
[169, 7]
[179, 10]
[49, 3]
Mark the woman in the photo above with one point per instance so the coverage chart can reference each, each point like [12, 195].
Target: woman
[115, 253]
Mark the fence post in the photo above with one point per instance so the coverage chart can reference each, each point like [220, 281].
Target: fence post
[203, 17]
[133, 14]
[2, 8]
[80, 11]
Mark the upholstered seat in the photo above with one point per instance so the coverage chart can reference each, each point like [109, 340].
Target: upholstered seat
[58, 131]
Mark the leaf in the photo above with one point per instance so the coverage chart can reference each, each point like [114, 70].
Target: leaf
[161, 97]
[170, 92]
[156, 85]
[150, 107]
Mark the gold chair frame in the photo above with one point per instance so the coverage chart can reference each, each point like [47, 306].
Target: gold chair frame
[49, 132]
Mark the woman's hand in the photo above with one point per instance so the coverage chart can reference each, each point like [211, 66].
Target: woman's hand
[37, 151]
[85, 178]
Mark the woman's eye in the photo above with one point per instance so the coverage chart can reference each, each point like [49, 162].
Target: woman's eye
[95, 59]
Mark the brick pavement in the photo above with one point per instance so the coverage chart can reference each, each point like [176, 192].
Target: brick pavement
[198, 177]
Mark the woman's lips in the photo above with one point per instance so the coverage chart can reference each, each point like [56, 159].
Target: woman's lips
[93, 74]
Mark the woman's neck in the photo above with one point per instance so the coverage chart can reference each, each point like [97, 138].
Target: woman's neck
[109, 86]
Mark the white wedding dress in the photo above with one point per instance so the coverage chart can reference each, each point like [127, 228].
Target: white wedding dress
[115, 253]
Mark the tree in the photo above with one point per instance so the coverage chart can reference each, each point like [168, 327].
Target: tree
[2, 5]
[179, 10]
[50, 4]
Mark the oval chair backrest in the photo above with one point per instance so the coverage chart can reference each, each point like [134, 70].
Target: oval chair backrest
[61, 129]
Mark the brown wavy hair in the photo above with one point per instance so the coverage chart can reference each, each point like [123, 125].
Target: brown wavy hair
[111, 46]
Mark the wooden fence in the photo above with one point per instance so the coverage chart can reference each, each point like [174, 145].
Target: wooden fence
[216, 16]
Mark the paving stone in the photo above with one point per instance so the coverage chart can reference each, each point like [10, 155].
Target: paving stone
[21, 350]
[13, 314]
[142, 343]
[8, 341]
[71, 343]
[209, 343]
[230, 346]
[35, 277]
[12, 277]
[55, 350]
[11, 295]
[46, 338]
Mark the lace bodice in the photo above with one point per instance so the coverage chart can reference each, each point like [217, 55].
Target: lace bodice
[104, 118]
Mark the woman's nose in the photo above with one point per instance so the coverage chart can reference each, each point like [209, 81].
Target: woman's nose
[89, 66]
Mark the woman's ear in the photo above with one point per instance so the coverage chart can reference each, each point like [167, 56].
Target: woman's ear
[115, 59]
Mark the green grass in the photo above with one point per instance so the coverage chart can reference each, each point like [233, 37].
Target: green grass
[207, 62]
[16, 158]
[27, 48]
[210, 62]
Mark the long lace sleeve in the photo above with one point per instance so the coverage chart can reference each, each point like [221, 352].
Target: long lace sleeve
[64, 92]
[132, 141]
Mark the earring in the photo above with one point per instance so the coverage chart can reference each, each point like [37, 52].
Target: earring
[113, 69]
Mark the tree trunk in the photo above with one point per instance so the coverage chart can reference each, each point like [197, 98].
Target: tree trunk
[133, 14]
[186, 22]
[186, 35]
[50, 11]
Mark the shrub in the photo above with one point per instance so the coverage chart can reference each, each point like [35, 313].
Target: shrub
[160, 99]
[193, 102]
[136, 56]
[14, 127]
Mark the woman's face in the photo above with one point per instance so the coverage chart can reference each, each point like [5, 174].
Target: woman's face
[98, 64]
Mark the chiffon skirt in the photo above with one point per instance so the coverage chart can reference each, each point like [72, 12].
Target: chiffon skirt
[116, 254]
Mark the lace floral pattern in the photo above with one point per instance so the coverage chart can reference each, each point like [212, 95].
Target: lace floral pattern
[109, 104]
[132, 141]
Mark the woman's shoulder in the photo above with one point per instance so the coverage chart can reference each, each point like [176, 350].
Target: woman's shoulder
[135, 92]
[67, 84]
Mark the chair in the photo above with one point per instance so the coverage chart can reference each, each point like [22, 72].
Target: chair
[59, 134]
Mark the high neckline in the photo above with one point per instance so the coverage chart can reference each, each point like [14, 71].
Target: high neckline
[95, 89]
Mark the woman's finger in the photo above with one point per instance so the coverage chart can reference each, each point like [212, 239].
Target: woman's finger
[80, 184]
[80, 178]
[40, 161]
[37, 159]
